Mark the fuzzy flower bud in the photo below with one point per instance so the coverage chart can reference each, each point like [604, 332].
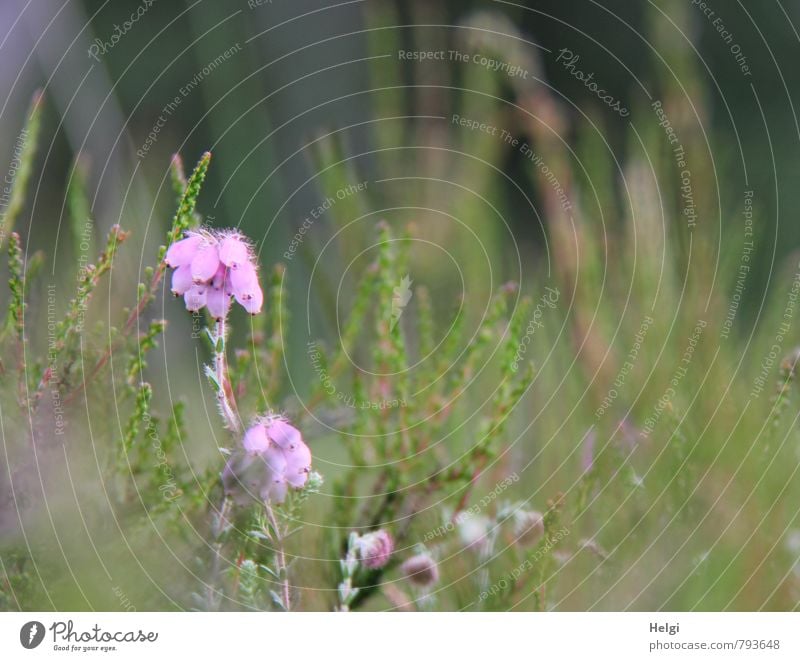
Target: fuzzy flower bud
[421, 570]
[274, 458]
[528, 527]
[375, 549]
[475, 532]
[211, 268]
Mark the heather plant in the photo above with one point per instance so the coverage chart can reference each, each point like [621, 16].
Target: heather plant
[250, 502]
[585, 429]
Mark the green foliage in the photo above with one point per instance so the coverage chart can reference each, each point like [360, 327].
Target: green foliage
[30, 140]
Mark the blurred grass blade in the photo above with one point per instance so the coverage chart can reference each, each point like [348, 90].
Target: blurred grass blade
[25, 152]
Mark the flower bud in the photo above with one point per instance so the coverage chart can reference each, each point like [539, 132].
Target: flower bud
[375, 549]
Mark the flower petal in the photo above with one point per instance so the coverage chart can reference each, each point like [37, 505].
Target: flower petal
[221, 277]
[233, 251]
[244, 281]
[182, 252]
[256, 439]
[299, 456]
[283, 434]
[275, 491]
[297, 479]
[195, 298]
[205, 263]
[254, 303]
[275, 458]
[218, 302]
[181, 280]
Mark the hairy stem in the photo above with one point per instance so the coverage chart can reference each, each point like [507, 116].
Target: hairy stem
[280, 558]
[220, 526]
[225, 397]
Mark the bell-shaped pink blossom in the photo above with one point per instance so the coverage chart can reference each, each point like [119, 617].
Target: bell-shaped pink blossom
[218, 302]
[182, 252]
[182, 280]
[283, 434]
[195, 298]
[254, 303]
[244, 282]
[256, 440]
[234, 251]
[205, 262]
[275, 489]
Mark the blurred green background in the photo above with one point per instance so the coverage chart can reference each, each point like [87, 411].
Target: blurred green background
[303, 70]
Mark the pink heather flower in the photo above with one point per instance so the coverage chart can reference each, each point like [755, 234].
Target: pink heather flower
[375, 549]
[205, 262]
[233, 252]
[213, 266]
[181, 253]
[275, 458]
[195, 298]
[421, 570]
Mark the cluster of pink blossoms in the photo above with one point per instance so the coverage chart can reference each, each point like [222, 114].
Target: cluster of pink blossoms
[211, 267]
[275, 458]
